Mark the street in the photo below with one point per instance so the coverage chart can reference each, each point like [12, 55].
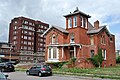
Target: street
[23, 76]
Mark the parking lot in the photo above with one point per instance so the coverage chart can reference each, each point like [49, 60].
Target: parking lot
[23, 76]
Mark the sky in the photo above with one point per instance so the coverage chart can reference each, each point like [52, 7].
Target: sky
[52, 11]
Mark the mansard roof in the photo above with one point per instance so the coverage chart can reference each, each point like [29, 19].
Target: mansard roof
[57, 28]
[77, 12]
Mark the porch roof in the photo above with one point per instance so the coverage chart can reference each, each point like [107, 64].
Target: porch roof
[63, 45]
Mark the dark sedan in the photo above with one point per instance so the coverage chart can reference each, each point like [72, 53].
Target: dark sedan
[6, 66]
[40, 70]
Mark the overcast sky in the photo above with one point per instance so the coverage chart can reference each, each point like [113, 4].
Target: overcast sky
[52, 11]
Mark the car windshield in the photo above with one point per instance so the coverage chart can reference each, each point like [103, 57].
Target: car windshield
[2, 76]
[46, 66]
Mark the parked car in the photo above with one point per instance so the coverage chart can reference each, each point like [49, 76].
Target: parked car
[40, 70]
[3, 76]
[6, 66]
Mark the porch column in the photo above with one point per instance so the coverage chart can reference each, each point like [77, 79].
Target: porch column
[62, 52]
[75, 51]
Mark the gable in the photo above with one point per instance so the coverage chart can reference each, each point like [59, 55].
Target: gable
[56, 28]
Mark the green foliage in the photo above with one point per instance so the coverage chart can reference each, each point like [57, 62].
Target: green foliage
[57, 64]
[110, 72]
[97, 59]
[73, 59]
[118, 59]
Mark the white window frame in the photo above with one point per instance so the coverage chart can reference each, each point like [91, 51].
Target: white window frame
[69, 22]
[81, 21]
[53, 59]
[75, 21]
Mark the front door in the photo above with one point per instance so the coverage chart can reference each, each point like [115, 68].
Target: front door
[71, 52]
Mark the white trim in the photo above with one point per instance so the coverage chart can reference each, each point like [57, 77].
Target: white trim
[105, 55]
[74, 21]
[62, 52]
[53, 59]
[69, 22]
[75, 51]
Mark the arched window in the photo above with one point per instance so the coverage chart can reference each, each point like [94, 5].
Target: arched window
[54, 38]
[72, 38]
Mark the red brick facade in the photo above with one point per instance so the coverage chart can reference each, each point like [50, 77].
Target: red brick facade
[81, 40]
[25, 35]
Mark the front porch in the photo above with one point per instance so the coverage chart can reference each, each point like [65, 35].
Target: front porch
[59, 53]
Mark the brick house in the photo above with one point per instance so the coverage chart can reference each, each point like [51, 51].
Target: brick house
[80, 40]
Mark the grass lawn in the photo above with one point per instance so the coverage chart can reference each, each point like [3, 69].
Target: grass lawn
[111, 72]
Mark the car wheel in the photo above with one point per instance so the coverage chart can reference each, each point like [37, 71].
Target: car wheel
[39, 74]
[51, 74]
[28, 73]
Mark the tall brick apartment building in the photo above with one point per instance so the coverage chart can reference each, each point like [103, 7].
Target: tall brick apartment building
[80, 40]
[25, 35]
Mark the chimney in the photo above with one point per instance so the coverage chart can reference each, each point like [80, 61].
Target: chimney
[96, 24]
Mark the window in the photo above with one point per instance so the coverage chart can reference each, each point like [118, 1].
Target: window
[111, 39]
[15, 32]
[81, 21]
[30, 23]
[103, 39]
[26, 22]
[84, 23]
[54, 39]
[92, 40]
[25, 47]
[75, 21]
[41, 26]
[29, 48]
[72, 38]
[25, 42]
[30, 33]
[25, 32]
[104, 54]
[29, 38]
[25, 37]
[50, 53]
[69, 22]
[29, 43]
[54, 52]
[15, 22]
[92, 53]
[14, 37]
[15, 27]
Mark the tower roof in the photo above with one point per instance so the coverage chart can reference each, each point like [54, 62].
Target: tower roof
[77, 12]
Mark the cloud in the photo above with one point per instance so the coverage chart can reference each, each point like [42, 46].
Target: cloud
[106, 11]
[117, 40]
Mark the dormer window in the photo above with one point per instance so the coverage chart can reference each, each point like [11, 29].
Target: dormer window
[69, 22]
[75, 21]
[72, 38]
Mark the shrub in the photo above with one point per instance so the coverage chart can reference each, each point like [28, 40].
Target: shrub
[97, 59]
[57, 64]
[118, 59]
[73, 59]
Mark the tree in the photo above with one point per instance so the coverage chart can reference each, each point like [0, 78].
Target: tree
[97, 59]
[100, 57]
